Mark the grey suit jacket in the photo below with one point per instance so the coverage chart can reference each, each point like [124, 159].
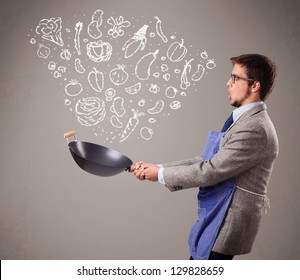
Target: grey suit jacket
[247, 153]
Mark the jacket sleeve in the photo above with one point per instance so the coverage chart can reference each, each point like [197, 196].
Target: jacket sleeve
[240, 150]
[189, 161]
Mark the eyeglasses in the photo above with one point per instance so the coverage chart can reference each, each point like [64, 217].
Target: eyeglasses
[235, 78]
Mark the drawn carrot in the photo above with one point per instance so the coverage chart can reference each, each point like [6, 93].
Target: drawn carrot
[131, 125]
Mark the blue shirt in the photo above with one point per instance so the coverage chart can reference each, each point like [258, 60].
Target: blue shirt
[235, 115]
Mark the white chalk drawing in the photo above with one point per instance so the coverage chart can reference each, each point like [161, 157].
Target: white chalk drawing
[152, 120]
[177, 51]
[184, 75]
[65, 54]
[93, 28]
[156, 75]
[175, 105]
[145, 63]
[96, 80]
[73, 88]
[171, 92]
[136, 43]
[62, 69]
[142, 103]
[154, 88]
[110, 94]
[157, 108]
[68, 102]
[110, 67]
[159, 30]
[131, 125]
[146, 133]
[118, 75]
[164, 68]
[43, 51]
[204, 55]
[199, 73]
[117, 26]
[114, 120]
[134, 89]
[118, 107]
[51, 65]
[78, 66]
[210, 64]
[90, 111]
[166, 77]
[99, 51]
[78, 29]
[50, 29]
[57, 74]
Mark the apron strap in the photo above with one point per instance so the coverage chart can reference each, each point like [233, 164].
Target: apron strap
[266, 205]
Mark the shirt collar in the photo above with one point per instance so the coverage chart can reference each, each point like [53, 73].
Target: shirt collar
[241, 110]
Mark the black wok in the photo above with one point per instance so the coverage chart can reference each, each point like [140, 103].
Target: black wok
[97, 159]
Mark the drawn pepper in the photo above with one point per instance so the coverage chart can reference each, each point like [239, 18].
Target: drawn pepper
[177, 51]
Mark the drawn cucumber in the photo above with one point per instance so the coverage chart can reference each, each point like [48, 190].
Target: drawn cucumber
[199, 73]
[157, 108]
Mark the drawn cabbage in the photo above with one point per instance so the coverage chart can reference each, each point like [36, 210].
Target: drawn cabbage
[90, 111]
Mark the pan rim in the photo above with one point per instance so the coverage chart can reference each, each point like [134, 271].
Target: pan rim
[94, 162]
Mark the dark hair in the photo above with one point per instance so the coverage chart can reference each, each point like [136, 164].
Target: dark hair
[259, 68]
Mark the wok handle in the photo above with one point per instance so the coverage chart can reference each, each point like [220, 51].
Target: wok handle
[69, 134]
[127, 169]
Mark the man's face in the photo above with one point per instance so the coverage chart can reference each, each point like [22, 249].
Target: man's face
[239, 91]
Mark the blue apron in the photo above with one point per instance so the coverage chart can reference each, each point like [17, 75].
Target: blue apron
[213, 202]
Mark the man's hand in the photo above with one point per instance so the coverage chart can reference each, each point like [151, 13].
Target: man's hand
[145, 171]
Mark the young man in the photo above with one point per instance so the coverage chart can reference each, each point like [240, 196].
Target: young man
[235, 169]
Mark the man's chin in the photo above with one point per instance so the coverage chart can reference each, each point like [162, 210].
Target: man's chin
[234, 104]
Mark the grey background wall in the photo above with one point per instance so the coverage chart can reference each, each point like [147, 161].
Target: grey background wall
[51, 209]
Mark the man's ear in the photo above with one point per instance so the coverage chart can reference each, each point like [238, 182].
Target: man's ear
[255, 87]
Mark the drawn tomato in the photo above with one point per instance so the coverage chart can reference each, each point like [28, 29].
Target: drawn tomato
[73, 88]
[118, 75]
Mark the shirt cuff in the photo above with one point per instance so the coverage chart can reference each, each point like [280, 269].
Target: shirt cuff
[161, 176]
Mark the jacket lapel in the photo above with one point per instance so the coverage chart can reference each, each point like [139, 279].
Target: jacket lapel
[249, 113]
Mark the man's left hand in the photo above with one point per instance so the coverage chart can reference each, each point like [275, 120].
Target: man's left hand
[147, 171]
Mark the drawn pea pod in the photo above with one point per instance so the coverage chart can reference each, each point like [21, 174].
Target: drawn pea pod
[143, 66]
[199, 73]
[157, 108]
[118, 107]
[78, 66]
[115, 122]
